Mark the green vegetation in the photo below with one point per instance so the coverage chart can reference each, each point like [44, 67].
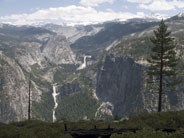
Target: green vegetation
[138, 47]
[163, 58]
[32, 129]
[149, 134]
[77, 106]
[43, 110]
[63, 72]
[73, 105]
[146, 122]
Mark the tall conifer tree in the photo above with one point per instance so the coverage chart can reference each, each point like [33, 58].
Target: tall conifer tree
[163, 58]
[29, 99]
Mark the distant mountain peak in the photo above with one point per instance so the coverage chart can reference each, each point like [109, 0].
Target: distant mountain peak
[156, 16]
[181, 14]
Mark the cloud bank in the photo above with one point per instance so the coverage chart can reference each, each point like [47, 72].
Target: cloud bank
[70, 15]
[140, 1]
[159, 5]
[94, 3]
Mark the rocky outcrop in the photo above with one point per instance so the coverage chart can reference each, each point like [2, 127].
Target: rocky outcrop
[45, 49]
[36, 51]
[28, 54]
[73, 33]
[115, 85]
[57, 50]
[14, 91]
[119, 81]
[124, 83]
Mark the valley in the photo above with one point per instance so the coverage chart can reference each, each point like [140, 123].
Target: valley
[99, 71]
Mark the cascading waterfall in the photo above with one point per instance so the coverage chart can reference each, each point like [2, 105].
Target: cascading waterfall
[54, 94]
[84, 65]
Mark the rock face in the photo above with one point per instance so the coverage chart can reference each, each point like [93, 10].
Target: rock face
[51, 48]
[28, 54]
[114, 84]
[107, 37]
[119, 81]
[58, 51]
[32, 50]
[123, 82]
[13, 93]
[104, 111]
[73, 33]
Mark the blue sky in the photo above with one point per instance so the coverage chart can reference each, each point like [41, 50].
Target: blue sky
[84, 11]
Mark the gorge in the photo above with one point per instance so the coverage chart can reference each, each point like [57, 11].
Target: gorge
[113, 84]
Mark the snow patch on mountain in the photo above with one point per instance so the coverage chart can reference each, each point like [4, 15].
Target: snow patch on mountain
[181, 14]
[156, 16]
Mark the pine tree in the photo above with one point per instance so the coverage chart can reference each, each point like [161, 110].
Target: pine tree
[29, 99]
[163, 58]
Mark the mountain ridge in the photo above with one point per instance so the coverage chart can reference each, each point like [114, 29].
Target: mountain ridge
[113, 78]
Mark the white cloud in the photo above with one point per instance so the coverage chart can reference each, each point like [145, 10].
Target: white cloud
[161, 5]
[70, 15]
[178, 4]
[125, 7]
[93, 3]
[140, 1]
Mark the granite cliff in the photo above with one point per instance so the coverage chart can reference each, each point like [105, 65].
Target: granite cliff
[114, 83]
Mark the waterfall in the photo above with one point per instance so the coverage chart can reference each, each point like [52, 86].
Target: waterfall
[54, 94]
[84, 65]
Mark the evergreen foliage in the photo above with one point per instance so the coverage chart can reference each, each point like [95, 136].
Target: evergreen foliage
[163, 58]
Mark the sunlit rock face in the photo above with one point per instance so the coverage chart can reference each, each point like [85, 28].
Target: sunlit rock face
[25, 51]
[58, 51]
[112, 83]
[14, 91]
